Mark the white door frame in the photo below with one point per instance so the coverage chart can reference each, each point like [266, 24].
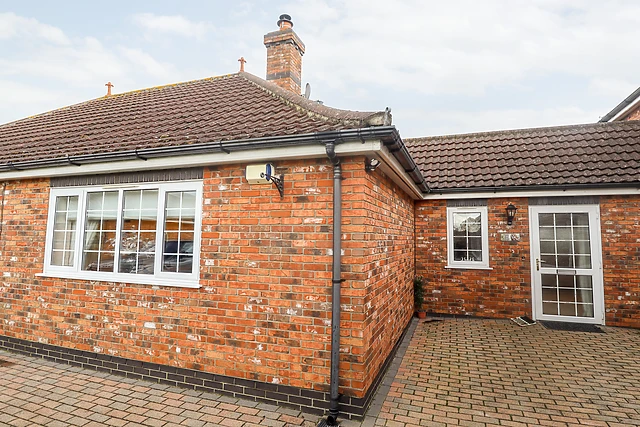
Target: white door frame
[596, 259]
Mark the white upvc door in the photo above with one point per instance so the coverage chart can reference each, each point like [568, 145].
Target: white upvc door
[566, 258]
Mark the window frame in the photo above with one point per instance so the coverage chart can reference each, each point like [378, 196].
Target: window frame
[479, 265]
[159, 277]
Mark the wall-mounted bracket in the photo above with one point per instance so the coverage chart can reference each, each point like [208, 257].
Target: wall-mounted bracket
[277, 180]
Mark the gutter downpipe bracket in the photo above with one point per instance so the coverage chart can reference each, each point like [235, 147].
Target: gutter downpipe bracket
[334, 405]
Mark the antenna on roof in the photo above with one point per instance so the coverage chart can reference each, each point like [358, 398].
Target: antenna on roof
[307, 91]
[109, 86]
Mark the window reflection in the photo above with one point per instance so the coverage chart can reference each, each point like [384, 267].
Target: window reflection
[179, 223]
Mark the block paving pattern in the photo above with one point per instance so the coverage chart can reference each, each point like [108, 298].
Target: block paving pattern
[35, 392]
[493, 372]
[455, 372]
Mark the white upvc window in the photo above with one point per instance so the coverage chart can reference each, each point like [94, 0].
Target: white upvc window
[468, 237]
[146, 233]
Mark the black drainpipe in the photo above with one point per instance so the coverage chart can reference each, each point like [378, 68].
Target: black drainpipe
[334, 407]
[4, 188]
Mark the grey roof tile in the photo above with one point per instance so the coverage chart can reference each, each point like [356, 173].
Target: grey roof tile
[599, 153]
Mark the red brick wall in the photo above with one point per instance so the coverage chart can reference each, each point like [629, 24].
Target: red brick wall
[263, 312]
[503, 291]
[620, 227]
[387, 253]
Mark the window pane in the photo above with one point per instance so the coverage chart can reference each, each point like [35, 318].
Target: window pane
[475, 256]
[549, 280]
[64, 235]
[467, 236]
[565, 261]
[460, 243]
[585, 295]
[545, 220]
[548, 261]
[563, 220]
[582, 247]
[546, 233]
[547, 247]
[179, 224]
[549, 294]
[583, 261]
[550, 308]
[475, 243]
[585, 310]
[565, 281]
[580, 219]
[563, 233]
[138, 242]
[581, 233]
[100, 231]
[565, 248]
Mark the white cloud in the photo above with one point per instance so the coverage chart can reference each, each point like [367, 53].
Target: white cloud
[606, 86]
[436, 48]
[172, 24]
[39, 77]
[20, 94]
[12, 26]
[149, 65]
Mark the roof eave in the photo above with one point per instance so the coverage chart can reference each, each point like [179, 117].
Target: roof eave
[553, 187]
[627, 104]
[387, 134]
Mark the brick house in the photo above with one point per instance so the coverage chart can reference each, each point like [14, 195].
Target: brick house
[572, 251]
[137, 238]
[132, 241]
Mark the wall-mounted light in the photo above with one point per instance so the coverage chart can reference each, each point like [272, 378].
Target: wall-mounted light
[263, 173]
[371, 164]
[511, 213]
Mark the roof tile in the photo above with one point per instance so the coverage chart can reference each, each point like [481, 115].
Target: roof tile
[226, 108]
[600, 153]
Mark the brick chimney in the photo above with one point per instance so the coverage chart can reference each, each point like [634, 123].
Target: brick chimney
[284, 56]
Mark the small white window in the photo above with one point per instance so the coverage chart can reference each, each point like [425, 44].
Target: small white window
[468, 237]
[147, 233]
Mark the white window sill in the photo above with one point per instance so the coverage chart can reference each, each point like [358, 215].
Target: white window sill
[467, 267]
[117, 278]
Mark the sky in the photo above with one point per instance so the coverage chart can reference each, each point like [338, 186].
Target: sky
[442, 67]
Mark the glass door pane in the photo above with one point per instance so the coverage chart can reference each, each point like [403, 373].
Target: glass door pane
[565, 249]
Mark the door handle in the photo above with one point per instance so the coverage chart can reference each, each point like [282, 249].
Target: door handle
[537, 264]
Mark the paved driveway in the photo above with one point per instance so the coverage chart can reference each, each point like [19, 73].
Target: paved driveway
[493, 372]
[454, 372]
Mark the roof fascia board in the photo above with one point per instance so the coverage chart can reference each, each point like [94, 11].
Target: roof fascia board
[587, 191]
[392, 168]
[364, 141]
[628, 103]
[184, 161]
[373, 148]
[625, 111]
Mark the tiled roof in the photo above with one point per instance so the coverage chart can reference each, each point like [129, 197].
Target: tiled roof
[600, 153]
[226, 108]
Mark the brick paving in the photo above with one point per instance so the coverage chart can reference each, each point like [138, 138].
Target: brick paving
[455, 372]
[36, 392]
[492, 372]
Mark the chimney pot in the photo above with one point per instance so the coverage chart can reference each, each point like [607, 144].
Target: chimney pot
[285, 22]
